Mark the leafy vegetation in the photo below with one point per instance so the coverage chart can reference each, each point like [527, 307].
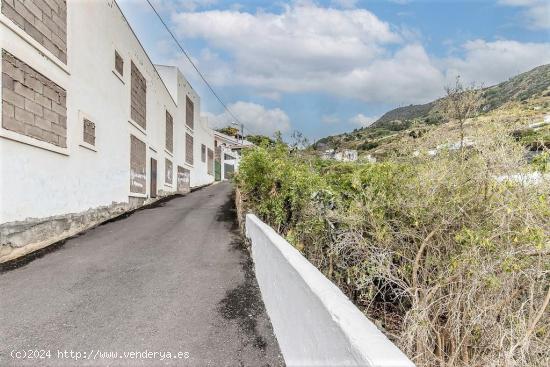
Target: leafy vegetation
[448, 252]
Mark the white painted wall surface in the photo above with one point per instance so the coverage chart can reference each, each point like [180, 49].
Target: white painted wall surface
[315, 323]
[39, 180]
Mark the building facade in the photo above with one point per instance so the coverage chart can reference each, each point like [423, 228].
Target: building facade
[89, 123]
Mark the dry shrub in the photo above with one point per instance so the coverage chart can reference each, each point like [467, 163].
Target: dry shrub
[449, 253]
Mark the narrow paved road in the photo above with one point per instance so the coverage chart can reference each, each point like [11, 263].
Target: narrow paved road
[172, 278]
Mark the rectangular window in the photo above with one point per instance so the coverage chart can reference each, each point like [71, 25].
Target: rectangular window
[44, 21]
[188, 149]
[203, 153]
[138, 94]
[169, 132]
[88, 132]
[138, 156]
[32, 104]
[168, 171]
[119, 64]
[189, 112]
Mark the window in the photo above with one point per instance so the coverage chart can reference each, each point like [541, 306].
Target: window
[138, 97]
[168, 171]
[169, 132]
[188, 149]
[32, 104]
[88, 132]
[119, 64]
[203, 153]
[138, 156]
[189, 112]
[44, 21]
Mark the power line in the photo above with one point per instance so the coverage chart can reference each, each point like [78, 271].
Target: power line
[193, 64]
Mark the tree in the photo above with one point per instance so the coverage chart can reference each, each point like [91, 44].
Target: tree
[462, 103]
[260, 140]
[229, 130]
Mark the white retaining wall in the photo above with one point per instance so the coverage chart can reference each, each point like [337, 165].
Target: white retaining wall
[315, 323]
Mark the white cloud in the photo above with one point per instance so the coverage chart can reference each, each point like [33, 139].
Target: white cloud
[342, 52]
[255, 117]
[535, 12]
[330, 119]
[492, 62]
[362, 120]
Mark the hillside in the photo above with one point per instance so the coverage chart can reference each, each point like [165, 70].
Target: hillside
[524, 92]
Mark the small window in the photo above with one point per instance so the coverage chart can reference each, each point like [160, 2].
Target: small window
[168, 171]
[189, 112]
[188, 149]
[119, 64]
[203, 153]
[89, 132]
[169, 132]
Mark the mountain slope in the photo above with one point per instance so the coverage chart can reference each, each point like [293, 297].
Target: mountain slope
[526, 86]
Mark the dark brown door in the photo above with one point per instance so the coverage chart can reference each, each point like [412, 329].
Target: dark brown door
[153, 178]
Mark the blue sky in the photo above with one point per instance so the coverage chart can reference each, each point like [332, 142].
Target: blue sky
[325, 67]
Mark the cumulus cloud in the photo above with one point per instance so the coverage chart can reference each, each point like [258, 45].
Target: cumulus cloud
[535, 12]
[256, 118]
[492, 62]
[343, 52]
[362, 120]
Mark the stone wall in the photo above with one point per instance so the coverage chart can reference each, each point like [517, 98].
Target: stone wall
[43, 20]
[32, 104]
[138, 157]
[138, 95]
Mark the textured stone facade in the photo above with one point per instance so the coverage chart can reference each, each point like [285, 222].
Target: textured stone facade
[169, 132]
[138, 157]
[32, 104]
[168, 171]
[88, 132]
[188, 149]
[43, 20]
[189, 112]
[138, 95]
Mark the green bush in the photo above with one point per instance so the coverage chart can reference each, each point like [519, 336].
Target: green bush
[451, 260]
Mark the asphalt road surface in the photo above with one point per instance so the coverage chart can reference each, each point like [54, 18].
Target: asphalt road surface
[173, 278]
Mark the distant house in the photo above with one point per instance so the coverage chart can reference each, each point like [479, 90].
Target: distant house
[227, 154]
[346, 155]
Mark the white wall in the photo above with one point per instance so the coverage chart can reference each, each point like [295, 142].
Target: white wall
[314, 322]
[41, 180]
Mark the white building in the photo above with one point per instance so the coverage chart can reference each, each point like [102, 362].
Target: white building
[346, 155]
[89, 123]
[228, 153]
